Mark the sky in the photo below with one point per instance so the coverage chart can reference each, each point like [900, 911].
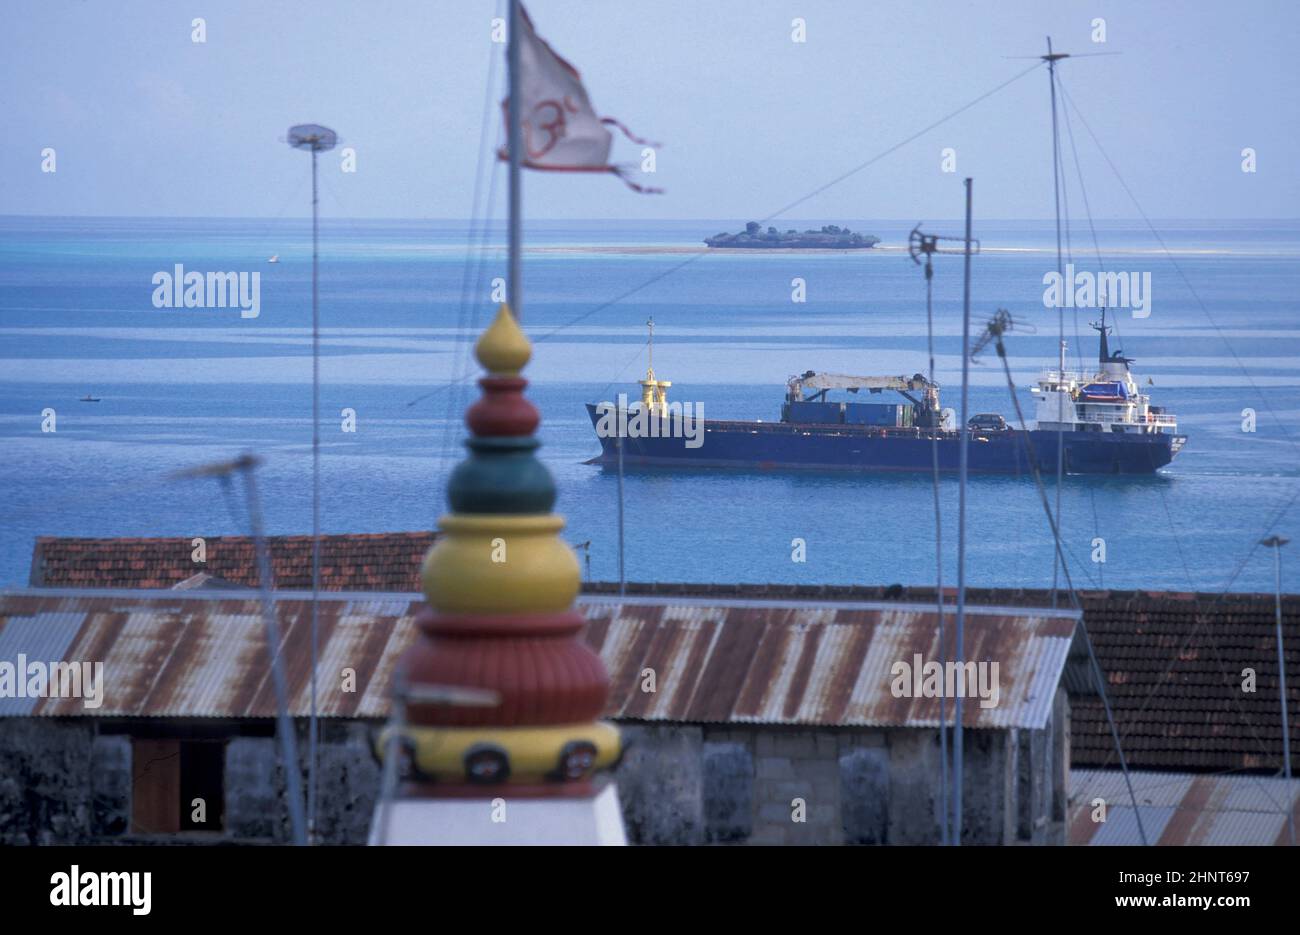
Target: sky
[146, 122]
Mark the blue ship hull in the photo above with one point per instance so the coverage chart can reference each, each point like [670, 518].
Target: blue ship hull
[786, 446]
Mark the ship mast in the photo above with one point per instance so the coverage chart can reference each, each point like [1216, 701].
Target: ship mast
[1051, 58]
[1058, 560]
[1103, 350]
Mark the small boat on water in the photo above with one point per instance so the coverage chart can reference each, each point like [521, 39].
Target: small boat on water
[274, 259]
[89, 399]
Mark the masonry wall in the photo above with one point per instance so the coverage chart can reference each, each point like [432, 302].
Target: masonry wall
[70, 781]
[45, 791]
[767, 784]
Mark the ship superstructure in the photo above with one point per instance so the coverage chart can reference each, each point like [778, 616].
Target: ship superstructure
[1110, 400]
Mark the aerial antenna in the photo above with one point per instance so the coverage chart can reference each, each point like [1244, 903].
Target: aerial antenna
[1052, 57]
[1058, 172]
[316, 139]
[927, 245]
[246, 465]
[1001, 322]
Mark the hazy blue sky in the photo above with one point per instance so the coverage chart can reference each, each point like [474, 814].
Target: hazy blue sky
[146, 122]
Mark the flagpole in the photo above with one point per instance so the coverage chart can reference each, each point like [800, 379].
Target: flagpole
[513, 148]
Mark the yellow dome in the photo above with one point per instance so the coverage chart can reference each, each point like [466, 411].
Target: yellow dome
[503, 349]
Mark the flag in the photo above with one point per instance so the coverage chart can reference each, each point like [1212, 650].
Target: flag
[560, 130]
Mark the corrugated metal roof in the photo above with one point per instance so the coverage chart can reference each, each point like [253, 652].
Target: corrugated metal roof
[195, 654]
[780, 662]
[44, 636]
[1182, 808]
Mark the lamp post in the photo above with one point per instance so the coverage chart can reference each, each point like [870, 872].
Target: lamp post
[1275, 543]
[315, 139]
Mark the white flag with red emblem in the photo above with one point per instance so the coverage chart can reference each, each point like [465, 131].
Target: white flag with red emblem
[561, 131]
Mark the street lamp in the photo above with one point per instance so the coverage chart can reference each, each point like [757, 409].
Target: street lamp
[1275, 543]
[315, 139]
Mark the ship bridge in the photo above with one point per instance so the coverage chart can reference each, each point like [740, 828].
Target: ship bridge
[1108, 400]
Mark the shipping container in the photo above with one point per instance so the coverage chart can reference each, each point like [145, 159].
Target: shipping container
[813, 413]
[891, 414]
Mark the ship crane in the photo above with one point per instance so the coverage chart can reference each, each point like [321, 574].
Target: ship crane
[818, 384]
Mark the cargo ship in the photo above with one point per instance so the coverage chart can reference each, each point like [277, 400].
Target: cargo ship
[1102, 422]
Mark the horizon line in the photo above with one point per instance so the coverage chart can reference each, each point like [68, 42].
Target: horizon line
[599, 220]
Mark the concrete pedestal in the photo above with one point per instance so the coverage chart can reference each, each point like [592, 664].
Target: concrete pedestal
[596, 820]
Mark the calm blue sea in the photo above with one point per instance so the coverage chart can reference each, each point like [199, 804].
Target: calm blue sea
[181, 387]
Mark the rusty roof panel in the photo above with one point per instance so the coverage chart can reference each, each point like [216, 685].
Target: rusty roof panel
[1182, 808]
[42, 637]
[166, 655]
[816, 663]
[195, 654]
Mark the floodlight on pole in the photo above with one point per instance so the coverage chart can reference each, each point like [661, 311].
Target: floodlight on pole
[317, 139]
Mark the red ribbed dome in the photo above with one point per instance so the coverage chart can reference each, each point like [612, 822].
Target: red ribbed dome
[541, 679]
[503, 409]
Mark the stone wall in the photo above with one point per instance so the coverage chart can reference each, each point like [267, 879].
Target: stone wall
[45, 789]
[65, 781]
[62, 781]
[347, 785]
[769, 784]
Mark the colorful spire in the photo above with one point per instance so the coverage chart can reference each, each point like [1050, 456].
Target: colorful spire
[501, 585]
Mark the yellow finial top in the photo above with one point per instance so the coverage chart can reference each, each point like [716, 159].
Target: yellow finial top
[503, 349]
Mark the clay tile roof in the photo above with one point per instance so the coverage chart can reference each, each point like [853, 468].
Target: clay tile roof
[388, 561]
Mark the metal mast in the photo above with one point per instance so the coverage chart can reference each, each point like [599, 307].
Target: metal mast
[317, 139]
[1051, 59]
[513, 149]
[246, 465]
[961, 525]
[1275, 543]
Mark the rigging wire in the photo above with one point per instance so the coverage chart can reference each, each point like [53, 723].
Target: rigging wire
[1177, 267]
[897, 146]
[1078, 340]
[467, 314]
[664, 274]
[1201, 619]
[465, 318]
[1060, 313]
[624, 368]
[1098, 675]
[1199, 625]
[263, 233]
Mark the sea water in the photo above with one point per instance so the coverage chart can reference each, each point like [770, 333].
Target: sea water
[400, 303]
